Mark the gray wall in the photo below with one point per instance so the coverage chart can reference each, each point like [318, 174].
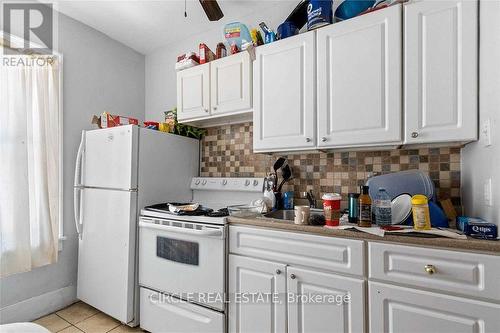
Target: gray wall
[99, 75]
[479, 162]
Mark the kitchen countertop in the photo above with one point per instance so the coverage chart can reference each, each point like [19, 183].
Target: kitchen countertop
[471, 244]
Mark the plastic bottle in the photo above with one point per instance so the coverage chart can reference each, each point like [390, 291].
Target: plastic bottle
[421, 216]
[383, 213]
[365, 208]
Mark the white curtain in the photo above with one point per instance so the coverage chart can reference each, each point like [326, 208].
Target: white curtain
[29, 164]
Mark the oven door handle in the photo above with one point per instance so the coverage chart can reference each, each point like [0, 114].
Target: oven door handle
[180, 230]
[154, 300]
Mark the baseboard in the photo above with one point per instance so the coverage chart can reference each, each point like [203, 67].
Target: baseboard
[38, 306]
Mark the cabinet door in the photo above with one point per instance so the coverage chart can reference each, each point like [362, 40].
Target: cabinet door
[359, 80]
[230, 83]
[318, 302]
[398, 309]
[440, 71]
[284, 94]
[249, 279]
[193, 92]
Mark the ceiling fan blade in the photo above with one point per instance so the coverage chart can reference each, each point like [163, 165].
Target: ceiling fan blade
[212, 9]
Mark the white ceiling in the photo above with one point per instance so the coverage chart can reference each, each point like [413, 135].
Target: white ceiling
[146, 25]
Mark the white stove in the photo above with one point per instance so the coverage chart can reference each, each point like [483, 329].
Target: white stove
[215, 193]
[184, 257]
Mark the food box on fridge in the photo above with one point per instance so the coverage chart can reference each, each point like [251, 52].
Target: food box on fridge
[109, 120]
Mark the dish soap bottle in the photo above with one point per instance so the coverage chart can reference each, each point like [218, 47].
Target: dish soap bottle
[383, 214]
[365, 208]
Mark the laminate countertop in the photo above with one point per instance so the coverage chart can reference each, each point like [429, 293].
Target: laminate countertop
[471, 244]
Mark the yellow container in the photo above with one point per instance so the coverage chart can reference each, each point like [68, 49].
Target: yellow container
[421, 216]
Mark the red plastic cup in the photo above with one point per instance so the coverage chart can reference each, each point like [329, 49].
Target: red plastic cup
[331, 208]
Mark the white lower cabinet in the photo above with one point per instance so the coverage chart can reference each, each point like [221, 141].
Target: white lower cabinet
[399, 309]
[249, 279]
[323, 302]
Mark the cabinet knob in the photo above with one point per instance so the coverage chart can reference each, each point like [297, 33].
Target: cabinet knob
[430, 269]
[206, 110]
[292, 276]
[278, 272]
[308, 139]
[414, 135]
[323, 139]
[215, 108]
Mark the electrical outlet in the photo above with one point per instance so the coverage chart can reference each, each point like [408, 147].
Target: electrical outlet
[488, 195]
[486, 132]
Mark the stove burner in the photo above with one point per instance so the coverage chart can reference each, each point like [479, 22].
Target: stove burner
[220, 213]
[201, 211]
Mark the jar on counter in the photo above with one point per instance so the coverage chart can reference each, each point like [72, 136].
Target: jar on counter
[421, 216]
[331, 208]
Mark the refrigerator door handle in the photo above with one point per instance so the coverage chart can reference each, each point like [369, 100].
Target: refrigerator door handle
[77, 198]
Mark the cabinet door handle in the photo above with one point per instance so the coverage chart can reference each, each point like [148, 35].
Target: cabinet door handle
[215, 108]
[206, 110]
[430, 269]
[308, 139]
[323, 139]
[414, 135]
[292, 276]
[278, 272]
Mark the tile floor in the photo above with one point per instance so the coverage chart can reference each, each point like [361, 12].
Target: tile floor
[81, 317]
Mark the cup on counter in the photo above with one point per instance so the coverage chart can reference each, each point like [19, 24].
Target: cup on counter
[331, 208]
[302, 214]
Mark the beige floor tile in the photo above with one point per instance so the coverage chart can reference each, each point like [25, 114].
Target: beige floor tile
[77, 312]
[126, 329]
[70, 329]
[98, 323]
[52, 322]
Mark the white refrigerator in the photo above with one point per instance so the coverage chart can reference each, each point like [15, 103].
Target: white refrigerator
[118, 171]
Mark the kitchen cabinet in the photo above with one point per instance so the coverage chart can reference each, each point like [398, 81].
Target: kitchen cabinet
[359, 81]
[284, 94]
[230, 83]
[440, 73]
[298, 268]
[216, 93]
[193, 93]
[249, 277]
[399, 309]
[332, 303]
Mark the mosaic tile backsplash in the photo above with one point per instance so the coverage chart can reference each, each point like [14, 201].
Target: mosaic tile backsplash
[227, 152]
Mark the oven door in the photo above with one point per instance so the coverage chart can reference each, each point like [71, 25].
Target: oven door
[184, 259]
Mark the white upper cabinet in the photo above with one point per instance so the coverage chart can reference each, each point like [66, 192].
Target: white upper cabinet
[359, 81]
[193, 92]
[441, 47]
[230, 83]
[284, 94]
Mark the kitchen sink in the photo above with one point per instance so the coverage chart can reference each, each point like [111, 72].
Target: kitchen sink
[289, 214]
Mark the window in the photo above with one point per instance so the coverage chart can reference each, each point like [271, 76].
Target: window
[31, 161]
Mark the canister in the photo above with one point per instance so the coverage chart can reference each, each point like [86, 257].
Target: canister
[331, 208]
[319, 13]
[352, 204]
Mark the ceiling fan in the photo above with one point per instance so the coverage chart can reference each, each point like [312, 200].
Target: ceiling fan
[212, 9]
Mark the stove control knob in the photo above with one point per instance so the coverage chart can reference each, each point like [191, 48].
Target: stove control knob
[255, 182]
[204, 182]
[197, 182]
[224, 182]
[247, 182]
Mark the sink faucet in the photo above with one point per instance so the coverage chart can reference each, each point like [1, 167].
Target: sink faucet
[312, 200]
